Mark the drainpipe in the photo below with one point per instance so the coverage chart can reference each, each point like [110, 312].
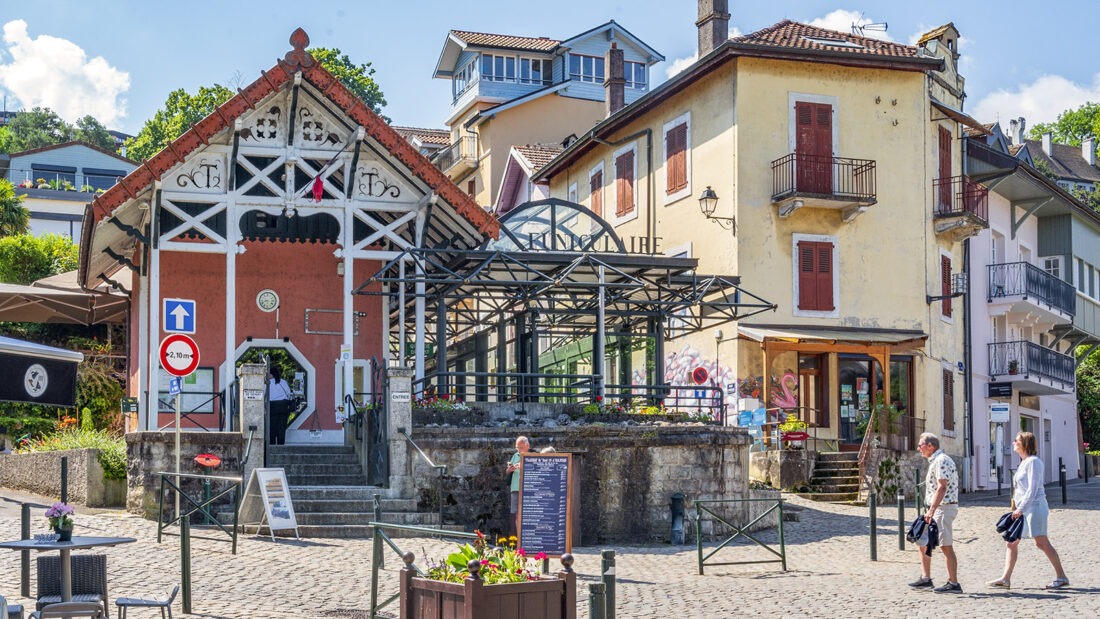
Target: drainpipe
[968, 400]
[651, 212]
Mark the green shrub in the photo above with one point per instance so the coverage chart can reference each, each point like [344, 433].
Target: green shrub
[112, 448]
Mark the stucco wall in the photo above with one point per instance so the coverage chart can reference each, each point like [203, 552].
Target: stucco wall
[40, 473]
[149, 453]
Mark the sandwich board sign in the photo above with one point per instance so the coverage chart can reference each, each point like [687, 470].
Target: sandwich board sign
[267, 501]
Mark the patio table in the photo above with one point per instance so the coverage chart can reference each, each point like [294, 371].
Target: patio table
[78, 542]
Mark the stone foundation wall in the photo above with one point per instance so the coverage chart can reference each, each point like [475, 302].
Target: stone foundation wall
[40, 473]
[625, 476]
[786, 468]
[149, 453]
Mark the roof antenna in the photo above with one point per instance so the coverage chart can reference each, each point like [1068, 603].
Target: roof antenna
[860, 28]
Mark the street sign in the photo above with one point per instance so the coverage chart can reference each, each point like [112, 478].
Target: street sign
[179, 354]
[129, 405]
[700, 375]
[175, 385]
[179, 316]
[999, 412]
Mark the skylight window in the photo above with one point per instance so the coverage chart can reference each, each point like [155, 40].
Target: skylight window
[833, 42]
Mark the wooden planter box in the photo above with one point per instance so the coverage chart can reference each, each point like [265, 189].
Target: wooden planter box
[554, 598]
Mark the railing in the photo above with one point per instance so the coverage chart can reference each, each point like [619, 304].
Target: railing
[824, 176]
[902, 432]
[702, 507]
[202, 507]
[379, 542]
[169, 407]
[959, 195]
[464, 148]
[1030, 359]
[1029, 281]
[61, 181]
[439, 468]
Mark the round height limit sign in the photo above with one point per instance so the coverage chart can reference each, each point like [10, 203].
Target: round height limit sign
[179, 354]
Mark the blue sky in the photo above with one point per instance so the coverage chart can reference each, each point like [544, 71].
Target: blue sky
[118, 60]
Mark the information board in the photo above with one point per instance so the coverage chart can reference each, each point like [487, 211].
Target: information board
[267, 501]
[197, 392]
[545, 503]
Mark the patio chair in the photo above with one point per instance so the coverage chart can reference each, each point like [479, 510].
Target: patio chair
[10, 611]
[89, 574]
[163, 605]
[67, 610]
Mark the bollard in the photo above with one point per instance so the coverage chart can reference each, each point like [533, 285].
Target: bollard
[25, 559]
[185, 561]
[999, 474]
[676, 506]
[874, 525]
[1086, 467]
[64, 479]
[917, 496]
[379, 555]
[607, 571]
[596, 601]
[1062, 479]
[901, 521]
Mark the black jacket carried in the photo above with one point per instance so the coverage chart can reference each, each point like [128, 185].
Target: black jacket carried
[926, 534]
[1010, 530]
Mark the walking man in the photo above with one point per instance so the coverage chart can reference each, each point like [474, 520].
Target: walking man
[941, 488]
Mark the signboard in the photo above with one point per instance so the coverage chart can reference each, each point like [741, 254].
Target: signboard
[179, 355]
[37, 380]
[179, 316]
[129, 405]
[174, 385]
[253, 394]
[410, 349]
[545, 510]
[196, 391]
[999, 412]
[700, 375]
[795, 436]
[400, 396]
[267, 497]
[998, 390]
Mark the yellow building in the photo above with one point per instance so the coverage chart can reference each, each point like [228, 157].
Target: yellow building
[824, 168]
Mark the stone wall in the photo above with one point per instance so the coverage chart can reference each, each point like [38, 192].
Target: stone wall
[625, 476]
[40, 473]
[783, 468]
[149, 453]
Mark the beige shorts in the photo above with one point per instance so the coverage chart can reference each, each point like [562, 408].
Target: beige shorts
[945, 520]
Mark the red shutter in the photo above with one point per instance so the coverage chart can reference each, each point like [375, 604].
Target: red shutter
[676, 158]
[945, 170]
[945, 283]
[807, 281]
[815, 276]
[814, 147]
[948, 400]
[624, 183]
[595, 186]
[825, 277]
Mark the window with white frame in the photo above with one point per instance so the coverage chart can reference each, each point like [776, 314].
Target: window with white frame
[465, 77]
[1079, 274]
[1053, 265]
[635, 75]
[586, 68]
[573, 193]
[595, 189]
[677, 145]
[815, 275]
[534, 71]
[496, 68]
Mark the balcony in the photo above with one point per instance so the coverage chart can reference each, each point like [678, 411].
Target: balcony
[961, 207]
[847, 185]
[459, 157]
[1024, 287]
[1032, 367]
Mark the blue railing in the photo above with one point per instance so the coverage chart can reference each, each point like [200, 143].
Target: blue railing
[1029, 281]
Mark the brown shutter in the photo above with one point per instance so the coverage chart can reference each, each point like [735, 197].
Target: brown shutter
[945, 284]
[945, 170]
[815, 276]
[595, 187]
[814, 147]
[624, 183]
[948, 400]
[676, 159]
[825, 277]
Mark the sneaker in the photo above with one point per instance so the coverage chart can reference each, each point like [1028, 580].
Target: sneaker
[949, 587]
[1058, 583]
[922, 583]
[1000, 583]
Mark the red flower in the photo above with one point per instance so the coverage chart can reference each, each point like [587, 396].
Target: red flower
[540, 556]
[485, 562]
[521, 552]
[599, 398]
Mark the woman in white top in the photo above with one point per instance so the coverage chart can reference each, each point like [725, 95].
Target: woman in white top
[1030, 499]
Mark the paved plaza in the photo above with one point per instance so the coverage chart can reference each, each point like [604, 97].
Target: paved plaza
[830, 572]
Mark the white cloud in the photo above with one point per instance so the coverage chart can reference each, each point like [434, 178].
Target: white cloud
[841, 21]
[56, 73]
[1039, 102]
[679, 64]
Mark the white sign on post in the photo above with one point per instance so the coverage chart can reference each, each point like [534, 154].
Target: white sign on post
[179, 316]
[999, 412]
[267, 497]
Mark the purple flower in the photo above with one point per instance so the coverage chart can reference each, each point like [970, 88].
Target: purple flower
[58, 510]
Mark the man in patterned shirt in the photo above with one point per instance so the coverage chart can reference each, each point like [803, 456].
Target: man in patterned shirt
[942, 496]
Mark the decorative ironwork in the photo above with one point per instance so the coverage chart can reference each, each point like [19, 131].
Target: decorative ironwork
[1029, 281]
[372, 185]
[206, 174]
[829, 177]
[314, 128]
[958, 195]
[1030, 360]
[265, 127]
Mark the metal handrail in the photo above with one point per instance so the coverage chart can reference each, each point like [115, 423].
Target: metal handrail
[958, 195]
[839, 177]
[700, 507]
[379, 537]
[440, 468]
[200, 507]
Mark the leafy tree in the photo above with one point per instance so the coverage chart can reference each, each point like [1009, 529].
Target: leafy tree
[5, 140]
[1088, 398]
[25, 258]
[93, 132]
[37, 128]
[1072, 126]
[14, 217]
[1090, 198]
[358, 78]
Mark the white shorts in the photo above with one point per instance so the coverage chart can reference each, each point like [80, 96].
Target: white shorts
[945, 520]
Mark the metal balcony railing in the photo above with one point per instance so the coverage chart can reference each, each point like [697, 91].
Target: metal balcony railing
[1028, 359]
[61, 181]
[1029, 281]
[840, 177]
[958, 196]
[465, 149]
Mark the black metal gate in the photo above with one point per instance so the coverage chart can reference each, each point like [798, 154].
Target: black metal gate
[377, 431]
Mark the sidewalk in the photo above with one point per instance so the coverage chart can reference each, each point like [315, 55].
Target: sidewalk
[830, 572]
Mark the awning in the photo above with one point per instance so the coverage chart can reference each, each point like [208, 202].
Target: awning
[37, 374]
[960, 117]
[59, 299]
[835, 335]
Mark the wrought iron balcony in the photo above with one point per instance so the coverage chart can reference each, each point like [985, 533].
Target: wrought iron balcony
[823, 182]
[960, 206]
[459, 157]
[1048, 371]
[1025, 282]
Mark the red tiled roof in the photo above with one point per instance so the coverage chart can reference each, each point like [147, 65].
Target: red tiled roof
[793, 35]
[507, 41]
[42, 149]
[270, 81]
[440, 137]
[538, 155]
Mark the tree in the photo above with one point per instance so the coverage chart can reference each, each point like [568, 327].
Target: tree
[1072, 126]
[25, 258]
[93, 132]
[182, 110]
[14, 217]
[37, 128]
[1088, 398]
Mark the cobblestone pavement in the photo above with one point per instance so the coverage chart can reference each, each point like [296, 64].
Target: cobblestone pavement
[829, 568]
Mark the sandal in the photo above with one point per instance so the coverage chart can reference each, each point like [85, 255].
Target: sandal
[1058, 583]
[1000, 583]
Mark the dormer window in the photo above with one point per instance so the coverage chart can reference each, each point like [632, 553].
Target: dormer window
[498, 68]
[586, 68]
[464, 78]
[534, 71]
[635, 75]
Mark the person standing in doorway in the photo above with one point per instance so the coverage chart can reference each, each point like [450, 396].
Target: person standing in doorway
[1030, 499]
[523, 445]
[279, 397]
[942, 496]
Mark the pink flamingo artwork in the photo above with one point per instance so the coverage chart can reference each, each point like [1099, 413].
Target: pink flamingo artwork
[785, 392]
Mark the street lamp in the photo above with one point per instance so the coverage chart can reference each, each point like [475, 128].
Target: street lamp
[708, 202]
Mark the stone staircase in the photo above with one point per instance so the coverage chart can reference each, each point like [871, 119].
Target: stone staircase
[330, 494]
[836, 478]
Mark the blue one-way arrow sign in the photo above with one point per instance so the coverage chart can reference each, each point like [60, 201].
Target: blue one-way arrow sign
[179, 316]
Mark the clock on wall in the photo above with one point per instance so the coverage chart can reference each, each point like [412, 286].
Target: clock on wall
[267, 300]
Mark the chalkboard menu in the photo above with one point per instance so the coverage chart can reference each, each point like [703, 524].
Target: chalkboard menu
[545, 514]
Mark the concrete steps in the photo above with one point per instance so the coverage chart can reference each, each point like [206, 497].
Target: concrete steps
[836, 478]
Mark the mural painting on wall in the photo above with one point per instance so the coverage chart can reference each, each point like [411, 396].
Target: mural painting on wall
[785, 391]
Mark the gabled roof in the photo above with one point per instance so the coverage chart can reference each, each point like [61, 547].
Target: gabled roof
[42, 149]
[793, 35]
[936, 33]
[1065, 161]
[436, 137]
[506, 41]
[616, 31]
[538, 155]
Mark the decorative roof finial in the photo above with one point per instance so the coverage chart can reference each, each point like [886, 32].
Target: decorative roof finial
[298, 56]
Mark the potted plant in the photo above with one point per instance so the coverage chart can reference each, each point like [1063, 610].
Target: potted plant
[483, 582]
[1013, 366]
[793, 431]
[60, 516]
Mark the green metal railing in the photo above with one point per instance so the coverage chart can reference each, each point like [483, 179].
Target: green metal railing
[202, 507]
[701, 508]
[379, 540]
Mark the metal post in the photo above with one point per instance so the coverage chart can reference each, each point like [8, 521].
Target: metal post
[596, 601]
[874, 526]
[207, 518]
[25, 558]
[185, 561]
[545, 566]
[1062, 479]
[607, 571]
[1000, 474]
[379, 555]
[699, 534]
[918, 497]
[901, 520]
[782, 540]
[1086, 467]
[64, 479]
[442, 470]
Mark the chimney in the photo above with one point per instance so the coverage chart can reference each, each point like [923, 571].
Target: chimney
[1088, 150]
[1013, 131]
[713, 24]
[1022, 131]
[1048, 147]
[615, 85]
